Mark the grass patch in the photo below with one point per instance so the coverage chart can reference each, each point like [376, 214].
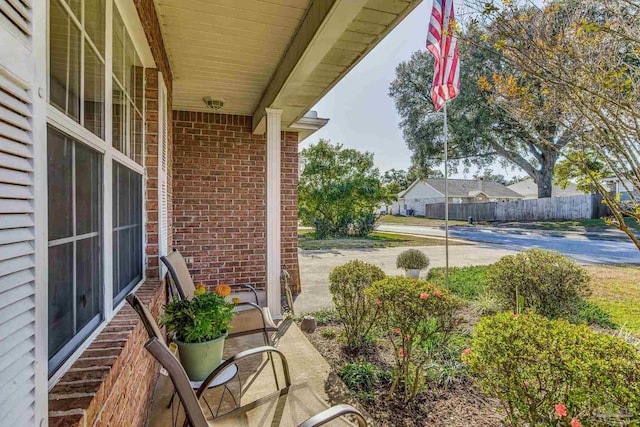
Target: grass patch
[374, 240]
[466, 282]
[323, 316]
[416, 220]
[616, 289]
[575, 225]
[615, 301]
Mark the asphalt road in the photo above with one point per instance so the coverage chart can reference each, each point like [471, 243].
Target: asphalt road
[583, 248]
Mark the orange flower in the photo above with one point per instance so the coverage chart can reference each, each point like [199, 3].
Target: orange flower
[437, 293]
[465, 353]
[424, 295]
[575, 423]
[235, 300]
[397, 330]
[561, 410]
[223, 290]
[201, 289]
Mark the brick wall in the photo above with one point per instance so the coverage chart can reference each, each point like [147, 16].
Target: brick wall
[112, 382]
[219, 198]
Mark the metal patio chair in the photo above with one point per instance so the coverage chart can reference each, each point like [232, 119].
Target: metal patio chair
[250, 318]
[284, 407]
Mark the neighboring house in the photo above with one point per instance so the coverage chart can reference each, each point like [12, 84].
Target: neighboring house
[622, 187]
[412, 201]
[128, 127]
[529, 189]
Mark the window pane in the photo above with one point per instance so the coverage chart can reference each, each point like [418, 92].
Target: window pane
[64, 58]
[118, 46]
[93, 92]
[136, 136]
[94, 22]
[88, 280]
[127, 235]
[119, 117]
[60, 175]
[75, 6]
[88, 173]
[60, 296]
[75, 280]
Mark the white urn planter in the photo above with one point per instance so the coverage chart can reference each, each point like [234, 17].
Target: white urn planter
[413, 273]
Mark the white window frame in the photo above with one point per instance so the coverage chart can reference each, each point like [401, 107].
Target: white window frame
[58, 120]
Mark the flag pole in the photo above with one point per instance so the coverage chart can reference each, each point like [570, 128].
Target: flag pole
[446, 198]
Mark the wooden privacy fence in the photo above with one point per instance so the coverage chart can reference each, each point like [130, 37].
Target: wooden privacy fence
[555, 208]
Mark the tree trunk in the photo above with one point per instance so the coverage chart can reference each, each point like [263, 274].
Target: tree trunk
[544, 176]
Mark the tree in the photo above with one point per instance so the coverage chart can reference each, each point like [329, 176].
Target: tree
[339, 190]
[586, 54]
[486, 121]
[395, 180]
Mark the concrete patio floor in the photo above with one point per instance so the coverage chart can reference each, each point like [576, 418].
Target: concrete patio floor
[315, 266]
[321, 389]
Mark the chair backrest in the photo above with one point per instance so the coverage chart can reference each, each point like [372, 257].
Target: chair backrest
[179, 272]
[180, 382]
[148, 321]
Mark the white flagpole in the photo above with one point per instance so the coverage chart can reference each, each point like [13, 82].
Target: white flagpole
[446, 198]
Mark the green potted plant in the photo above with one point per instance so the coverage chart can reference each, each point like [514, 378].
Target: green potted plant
[200, 326]
[412, 261]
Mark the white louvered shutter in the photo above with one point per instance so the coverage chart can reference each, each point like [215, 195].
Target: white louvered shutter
[163, 141]
[17, 234]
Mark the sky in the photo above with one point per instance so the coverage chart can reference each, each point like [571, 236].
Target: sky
[361, 113]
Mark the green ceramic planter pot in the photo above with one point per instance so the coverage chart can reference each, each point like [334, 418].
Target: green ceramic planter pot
[200, 359]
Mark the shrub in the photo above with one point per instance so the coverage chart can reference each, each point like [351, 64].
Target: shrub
[485, 304]
[465, 282]
[545, 281]
[362, 376]
[532, 364]
[412, 259]
[414, 314]
[347, 285]
[328, 333]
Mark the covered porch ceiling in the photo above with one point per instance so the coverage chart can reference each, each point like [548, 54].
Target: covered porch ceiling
[258, 54]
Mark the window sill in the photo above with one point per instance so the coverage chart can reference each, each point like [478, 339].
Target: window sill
[112, 381]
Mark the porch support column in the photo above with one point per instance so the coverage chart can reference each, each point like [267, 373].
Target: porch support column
[273, 210]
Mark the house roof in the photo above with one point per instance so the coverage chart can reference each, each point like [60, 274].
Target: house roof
[284, 54]
[469, 187]
[528, 188]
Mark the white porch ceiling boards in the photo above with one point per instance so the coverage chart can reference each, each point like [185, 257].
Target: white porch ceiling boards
[258, 54]
[226, 48]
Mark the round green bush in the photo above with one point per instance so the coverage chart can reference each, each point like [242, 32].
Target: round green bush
[347, 284]
[545, 281]
[532, 363]
[412, 259]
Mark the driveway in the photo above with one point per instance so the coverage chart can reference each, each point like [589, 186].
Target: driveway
[315, 266]
[586, 248]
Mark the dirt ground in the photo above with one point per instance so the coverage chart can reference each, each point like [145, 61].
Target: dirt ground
[459, 405]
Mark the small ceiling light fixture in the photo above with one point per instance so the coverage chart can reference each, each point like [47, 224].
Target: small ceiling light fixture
[213, 103]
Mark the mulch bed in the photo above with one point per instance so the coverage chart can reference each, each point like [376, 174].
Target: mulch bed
[457, 405]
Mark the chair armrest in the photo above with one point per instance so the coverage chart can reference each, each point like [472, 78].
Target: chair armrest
[242, 355]
[333, 413]
[251, 288]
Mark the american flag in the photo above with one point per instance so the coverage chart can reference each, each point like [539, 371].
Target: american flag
[442, 42]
